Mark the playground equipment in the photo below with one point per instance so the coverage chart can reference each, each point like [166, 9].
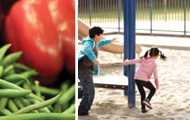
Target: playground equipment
[129, 45]
[128, 48]
[116, 83]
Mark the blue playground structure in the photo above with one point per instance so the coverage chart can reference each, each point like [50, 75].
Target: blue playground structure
[129, 47]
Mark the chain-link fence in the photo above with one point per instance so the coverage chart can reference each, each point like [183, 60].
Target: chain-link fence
[170, 17]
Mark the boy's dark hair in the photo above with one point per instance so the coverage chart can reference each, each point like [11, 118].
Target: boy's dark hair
[95, 31]
[154, 52]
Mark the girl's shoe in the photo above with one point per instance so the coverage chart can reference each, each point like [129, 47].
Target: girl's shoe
[83, 113]
[145, 102]
[144, 111]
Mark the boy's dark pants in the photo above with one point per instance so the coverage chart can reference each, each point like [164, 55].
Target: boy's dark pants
[88, 90]
[147, 84]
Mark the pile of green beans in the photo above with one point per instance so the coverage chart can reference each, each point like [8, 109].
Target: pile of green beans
[22, 98]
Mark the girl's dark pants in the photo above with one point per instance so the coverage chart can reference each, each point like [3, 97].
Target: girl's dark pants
[88, 90]
[147, 84]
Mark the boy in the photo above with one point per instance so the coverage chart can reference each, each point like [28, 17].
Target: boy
[87, 64]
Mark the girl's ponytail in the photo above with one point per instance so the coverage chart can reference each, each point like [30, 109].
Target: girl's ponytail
[162, 56]
[154, 52]
[146, 54]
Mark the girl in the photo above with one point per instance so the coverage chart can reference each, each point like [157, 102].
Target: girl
[147, 68]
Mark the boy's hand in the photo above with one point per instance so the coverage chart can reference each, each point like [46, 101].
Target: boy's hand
[96, 62]
[114, 39]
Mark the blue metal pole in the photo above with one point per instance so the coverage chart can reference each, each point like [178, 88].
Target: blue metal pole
[151, 14]
[129, 47]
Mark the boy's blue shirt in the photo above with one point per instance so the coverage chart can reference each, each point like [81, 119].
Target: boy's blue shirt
[87, 49]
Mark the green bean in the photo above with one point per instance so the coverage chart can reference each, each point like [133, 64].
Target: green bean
[34, 100]
[40, 116]
[3, 50]
[65, 86]
[35, 111]
[29, 73]
[33, 96]
[67, 96]
[18, 103]
[37, 89]
[15, 78]
[39, 105]
[19, 83]
[8, 70]
[3, 102]
[13, 93]
[11, 58]
[26, 86]
[6, 84]
[48, 91]
[21, 66]
[25, 102]
[57, 108]
[12, 106]
[6, 112]
[45, 109]
[28, 102]
[1, 71]
[71, 109]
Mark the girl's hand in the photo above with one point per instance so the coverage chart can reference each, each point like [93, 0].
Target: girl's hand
[157, 87]
[126, 62]
[157, 84]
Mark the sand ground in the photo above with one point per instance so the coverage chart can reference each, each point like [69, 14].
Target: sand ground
[171, 101]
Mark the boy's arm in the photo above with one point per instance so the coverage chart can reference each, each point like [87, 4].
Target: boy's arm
[104, 42]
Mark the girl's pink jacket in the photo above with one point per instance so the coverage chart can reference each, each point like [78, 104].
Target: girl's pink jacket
[147, 68]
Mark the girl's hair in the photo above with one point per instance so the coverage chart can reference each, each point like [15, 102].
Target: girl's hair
[154, 52]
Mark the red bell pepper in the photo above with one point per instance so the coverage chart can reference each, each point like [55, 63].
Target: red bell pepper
[1, 19]
[5, 6]
[65, 22]
[31, 28]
